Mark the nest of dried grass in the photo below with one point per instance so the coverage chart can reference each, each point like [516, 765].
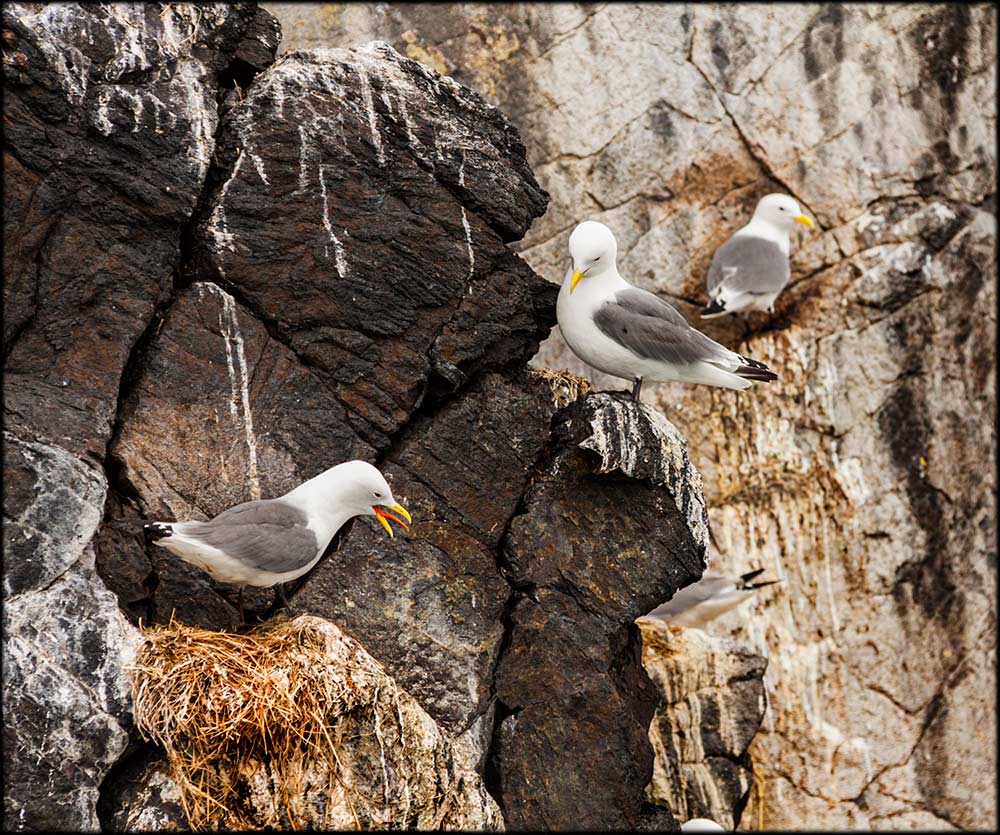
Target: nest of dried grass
[565, 387]
[264, 715]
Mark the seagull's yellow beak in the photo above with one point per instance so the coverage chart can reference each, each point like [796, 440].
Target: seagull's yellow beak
[382, 513]
[577, 275]
[804, 221]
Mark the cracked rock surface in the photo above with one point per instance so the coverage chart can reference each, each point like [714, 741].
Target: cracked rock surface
[863, 476]
[226, 275]
[712, 704]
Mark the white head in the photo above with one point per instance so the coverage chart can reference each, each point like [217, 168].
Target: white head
[359, 488]
[780, 210]
[593, 248]
[701, 825]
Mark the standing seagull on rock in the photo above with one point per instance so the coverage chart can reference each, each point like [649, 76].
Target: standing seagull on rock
[272, 541]
[630, 333]
[750, 269]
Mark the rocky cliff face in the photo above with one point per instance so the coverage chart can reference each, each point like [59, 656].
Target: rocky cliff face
[223, 277]
[864, 476]
[712, 705]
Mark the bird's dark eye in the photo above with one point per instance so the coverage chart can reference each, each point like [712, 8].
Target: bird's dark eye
[377, 495]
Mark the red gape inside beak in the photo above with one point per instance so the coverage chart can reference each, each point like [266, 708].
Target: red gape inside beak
[383, 514]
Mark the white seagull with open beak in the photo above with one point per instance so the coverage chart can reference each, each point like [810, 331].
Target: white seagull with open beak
[273, 541]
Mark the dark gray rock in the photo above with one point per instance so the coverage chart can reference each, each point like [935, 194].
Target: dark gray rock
[430, 605]
[110, 116]
[612, 524]
[363, 216]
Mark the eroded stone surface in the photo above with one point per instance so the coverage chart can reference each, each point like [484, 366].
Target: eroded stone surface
[430, 604]
[367, 199]
[712, 704]
[66, 704]
[110, 121]
[597, 542]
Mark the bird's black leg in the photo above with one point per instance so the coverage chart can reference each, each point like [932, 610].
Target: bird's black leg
[284, 600]
[636, 388]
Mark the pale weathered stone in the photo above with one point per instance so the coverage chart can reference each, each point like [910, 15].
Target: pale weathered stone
[66, 703]
[712, 703]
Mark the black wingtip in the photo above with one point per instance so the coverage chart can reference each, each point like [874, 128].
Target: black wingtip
[754, 370]
[714, 308]
[156, 530]
[746, 578]
[761, 585]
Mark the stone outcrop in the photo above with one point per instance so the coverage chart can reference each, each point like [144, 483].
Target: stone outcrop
[614, 518]
[712, 704]
[863, 477]
[379, 761]
[66, 643]
[227, 276]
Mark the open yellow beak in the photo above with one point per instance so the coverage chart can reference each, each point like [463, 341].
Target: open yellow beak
[383, 514]
[804, 221]
[577, 275]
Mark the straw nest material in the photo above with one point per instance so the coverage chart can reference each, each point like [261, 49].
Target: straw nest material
[295, 726]
[565, 387]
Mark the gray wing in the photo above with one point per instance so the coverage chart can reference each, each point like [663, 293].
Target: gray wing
[653, 329]
[709, 586]
[748, 264]
[269, 535]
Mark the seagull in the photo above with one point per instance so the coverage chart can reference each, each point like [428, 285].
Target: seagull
[273, 541]
[628, 332]
[713, 595]
[750, 269]
[701, 825]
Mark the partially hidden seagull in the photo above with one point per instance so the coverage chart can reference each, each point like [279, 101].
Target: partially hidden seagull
[701, 825]
[713, 595]
[628, 332]
[750, 269]
[273, 541]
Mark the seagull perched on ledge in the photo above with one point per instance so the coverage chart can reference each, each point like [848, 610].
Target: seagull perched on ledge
[630, 333]
[750, 269]
[273, 541]
[713, 595]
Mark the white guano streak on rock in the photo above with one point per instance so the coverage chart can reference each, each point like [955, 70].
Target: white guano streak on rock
[240, 386]
[202, 116]
[465, 224]
[258, 163]
[678, 474]
[366, 94]
[338, 247]
[468, 241]
[217, 221]
[303, 159]
[404, 115]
